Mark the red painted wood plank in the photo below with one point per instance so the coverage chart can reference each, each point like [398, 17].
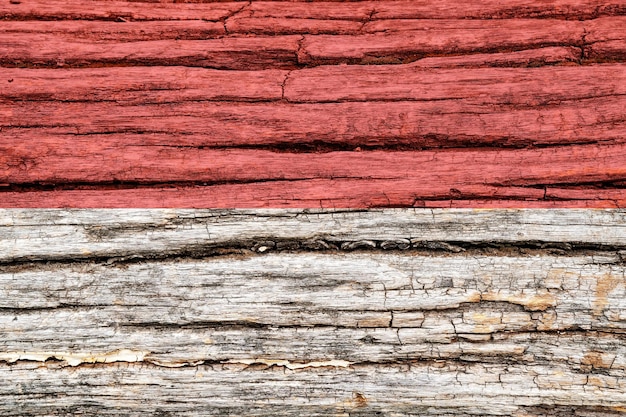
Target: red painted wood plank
[491, 9]
[448, 9]
[229, 53]
[237, 58]
[85, 43]
[357, 11]
[528, 87]
[140, 85]
[568, 55]
[306, 194]
[97, 162]
[417, 124]
[601, 29]
[252, 23]
[478, 30]
[98, 31]
[145, 85]
[514, 35]
[156, 136]
[281, 25]
[116, 10]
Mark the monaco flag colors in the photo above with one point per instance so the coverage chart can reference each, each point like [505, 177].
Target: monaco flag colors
[277, 208]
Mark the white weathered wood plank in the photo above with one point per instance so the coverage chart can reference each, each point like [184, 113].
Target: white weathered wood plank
[420, 388]
[182, 312]
[81, 339]
[53, 234]
[305, 287]
[195, 310]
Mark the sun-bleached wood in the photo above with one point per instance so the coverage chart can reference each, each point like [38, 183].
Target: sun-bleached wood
[313, 312]
[428, 388]
[69, 234]
[415, 306]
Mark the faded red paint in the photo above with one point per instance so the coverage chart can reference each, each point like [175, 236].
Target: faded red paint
[280, 196]
[272, 104]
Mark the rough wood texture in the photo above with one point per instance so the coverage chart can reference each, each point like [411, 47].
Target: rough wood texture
[49, 235]
[213, 104]
[356, 313]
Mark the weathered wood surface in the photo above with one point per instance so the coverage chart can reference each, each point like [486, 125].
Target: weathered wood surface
[312, 104]
[384, 41]
[210, 10]
[314, 312]
[50, 235]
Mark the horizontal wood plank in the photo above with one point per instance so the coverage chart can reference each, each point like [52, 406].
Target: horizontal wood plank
[146, 85]
[117, 10]
[440, 39]
[443, 299]
[249, 178]
[98, 31]
[357, 11]
[227, 53]
[513, 86]
[118, 233]
[312, 194]
[141, 85]
[331, 126]
[317, 312]
[421, 38]
[384, 41]
[530, 58]
[174, 346]
[441, 388]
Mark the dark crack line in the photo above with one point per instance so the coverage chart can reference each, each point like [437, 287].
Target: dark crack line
[264, 245]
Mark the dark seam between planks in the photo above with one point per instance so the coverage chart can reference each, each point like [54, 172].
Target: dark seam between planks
[264, 245]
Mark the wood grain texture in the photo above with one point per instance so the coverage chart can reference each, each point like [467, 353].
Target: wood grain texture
[575, 164]
[245, 178]
[386, 41]
[118, 233]
[312, 104]
[316, 312]
[117, 10]
[358, 11]
[344, 126]
[44, 143]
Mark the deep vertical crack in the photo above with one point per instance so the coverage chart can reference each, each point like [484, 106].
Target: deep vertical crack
[224, 20]
[299, 50]
[283, 84]
[583, 46]
[367, 20]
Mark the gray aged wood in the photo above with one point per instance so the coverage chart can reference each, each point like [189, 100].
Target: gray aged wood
[54, 234]
[355, 313]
